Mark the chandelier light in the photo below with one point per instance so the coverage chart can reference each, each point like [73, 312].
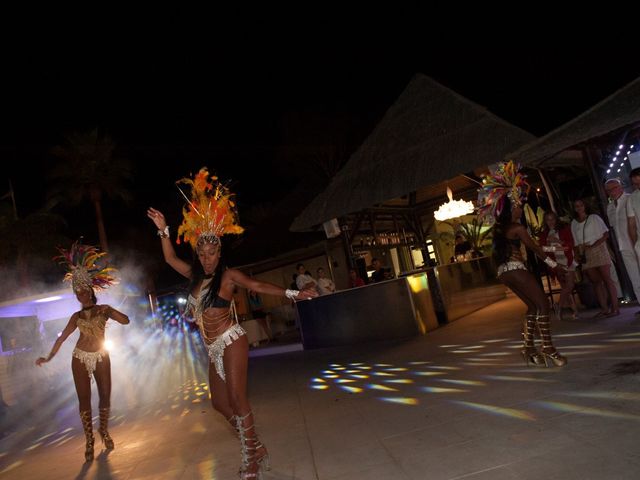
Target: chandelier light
[453, 208]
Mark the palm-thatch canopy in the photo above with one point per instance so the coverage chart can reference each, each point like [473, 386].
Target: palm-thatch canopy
[430, 134]
[622, 109]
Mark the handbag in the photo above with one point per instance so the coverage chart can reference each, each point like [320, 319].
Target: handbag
[581, 255]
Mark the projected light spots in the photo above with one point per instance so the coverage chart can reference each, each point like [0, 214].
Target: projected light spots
[345, 380]
[428, 374]
[608, 395]
[573, 335]
[404, 381]
[375, 386]
[462, 382]
[351, 389]
[382, 374]
[397, 369]
[442, 390]
[11, 467]
[320, 387]
[580, 347]
[435, 367]
[500, 411]
[360, 376]
[597, 412]
[318, 380]
[401, 400]
[512, 378]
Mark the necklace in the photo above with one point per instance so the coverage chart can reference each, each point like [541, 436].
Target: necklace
[88, 308]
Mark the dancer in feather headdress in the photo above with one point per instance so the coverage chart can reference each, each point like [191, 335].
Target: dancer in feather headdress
[87, 273]
[209, 214]
[500, 200]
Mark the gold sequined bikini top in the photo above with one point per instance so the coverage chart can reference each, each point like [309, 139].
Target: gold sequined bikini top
[92, 326]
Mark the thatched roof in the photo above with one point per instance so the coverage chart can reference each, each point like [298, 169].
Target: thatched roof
[430, 134]
[614, 112]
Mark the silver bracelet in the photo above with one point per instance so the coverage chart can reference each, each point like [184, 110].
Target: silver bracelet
[164, 233]
[291, 294]
[549, 261]
[548, 249]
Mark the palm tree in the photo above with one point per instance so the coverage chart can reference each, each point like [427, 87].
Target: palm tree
[89, 169]
[26, 248]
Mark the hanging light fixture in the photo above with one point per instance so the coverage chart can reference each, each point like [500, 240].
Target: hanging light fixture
[453, 208]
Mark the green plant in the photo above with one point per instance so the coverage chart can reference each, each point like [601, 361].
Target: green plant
[476, 232]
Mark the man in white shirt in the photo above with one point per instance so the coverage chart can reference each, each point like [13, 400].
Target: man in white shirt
[325, 285]
[633, 210]
[633, 213]
[619, 214]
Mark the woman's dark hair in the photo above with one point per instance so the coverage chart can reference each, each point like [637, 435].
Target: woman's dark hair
[501, 247]
[198, 275]
[587, 205]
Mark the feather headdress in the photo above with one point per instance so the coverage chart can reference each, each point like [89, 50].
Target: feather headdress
[505, 181]
[210, 212]
[83, 270]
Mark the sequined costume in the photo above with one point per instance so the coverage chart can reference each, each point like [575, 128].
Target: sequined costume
[515, 261]
[216, 345]
[93, 326]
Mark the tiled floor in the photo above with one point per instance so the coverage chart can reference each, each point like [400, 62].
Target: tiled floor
[456, 403]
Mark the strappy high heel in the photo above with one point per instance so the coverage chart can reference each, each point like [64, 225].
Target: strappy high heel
[252, 463]
[104, 432]
[548, 351]
[529, 352]
[555, 358]
[87, 426]
[263, 459]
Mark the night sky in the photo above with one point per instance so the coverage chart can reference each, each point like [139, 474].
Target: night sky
[171, 110]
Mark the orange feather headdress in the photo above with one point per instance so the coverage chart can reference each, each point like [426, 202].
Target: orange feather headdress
[210, 212]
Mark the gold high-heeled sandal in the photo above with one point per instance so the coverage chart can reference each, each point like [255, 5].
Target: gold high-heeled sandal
[555, 357]
[544, 328]
[87, 425]
[529, 351]
[104, 433]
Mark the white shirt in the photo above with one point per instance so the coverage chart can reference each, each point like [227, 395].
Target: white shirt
[302, 279]
[617, 215]
[588, 231]
[326, 286]
[633, 208]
